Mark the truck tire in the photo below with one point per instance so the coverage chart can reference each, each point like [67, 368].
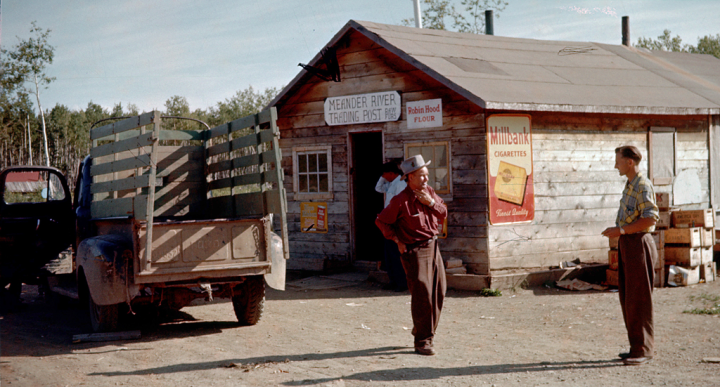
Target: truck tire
[103, 318]
[249, 300]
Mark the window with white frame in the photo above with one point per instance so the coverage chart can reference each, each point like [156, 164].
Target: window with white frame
[312, 172]
[662, 163]
[439, 169]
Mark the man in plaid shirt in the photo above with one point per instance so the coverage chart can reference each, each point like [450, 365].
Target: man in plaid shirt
[637, 255]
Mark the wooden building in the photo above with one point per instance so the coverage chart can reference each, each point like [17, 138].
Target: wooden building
[576, 102]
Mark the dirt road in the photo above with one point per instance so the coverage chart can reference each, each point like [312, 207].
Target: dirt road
[342, 332]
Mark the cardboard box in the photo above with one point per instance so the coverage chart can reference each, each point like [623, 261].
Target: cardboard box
[706, 255]
[684, 256]
[707, 272]
[663, 199]
[659, 237]
[683, 276]
[690, 237]
[659, 279]
[613, 259]
[613, 242]
[695, 218]
[707, 237]
[664, 220]
[611, 277]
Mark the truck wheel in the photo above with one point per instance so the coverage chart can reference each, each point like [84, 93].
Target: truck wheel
[103, 318]
[249, 300]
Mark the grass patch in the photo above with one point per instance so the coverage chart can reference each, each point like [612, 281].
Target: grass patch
[487, 292]
[711, 304]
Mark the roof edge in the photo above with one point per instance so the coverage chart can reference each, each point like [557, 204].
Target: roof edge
[520, 106]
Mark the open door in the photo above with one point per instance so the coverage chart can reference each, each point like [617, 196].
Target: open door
[366, 150]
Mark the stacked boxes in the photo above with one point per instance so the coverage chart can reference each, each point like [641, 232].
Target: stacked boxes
[690, 241]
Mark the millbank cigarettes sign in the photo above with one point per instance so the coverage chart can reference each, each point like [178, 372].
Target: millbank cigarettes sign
[363, 108]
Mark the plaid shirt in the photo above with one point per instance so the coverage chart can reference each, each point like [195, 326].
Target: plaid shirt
[638, 201]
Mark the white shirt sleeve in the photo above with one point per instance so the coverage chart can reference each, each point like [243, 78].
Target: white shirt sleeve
[382, 185]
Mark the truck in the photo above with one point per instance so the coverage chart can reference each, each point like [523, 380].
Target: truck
[164, 217]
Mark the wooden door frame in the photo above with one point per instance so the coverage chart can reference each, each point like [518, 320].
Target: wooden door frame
[351, 183]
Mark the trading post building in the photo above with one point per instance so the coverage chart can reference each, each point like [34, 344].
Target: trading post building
[521, 134]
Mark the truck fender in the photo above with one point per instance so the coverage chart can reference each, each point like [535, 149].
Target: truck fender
[276, 277]
[105, 261]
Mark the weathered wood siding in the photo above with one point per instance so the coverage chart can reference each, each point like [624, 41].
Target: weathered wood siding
[367, 68]
[577, 189]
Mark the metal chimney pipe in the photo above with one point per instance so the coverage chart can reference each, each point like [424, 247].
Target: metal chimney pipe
[489, 22]
[418, 14]
[626, 31]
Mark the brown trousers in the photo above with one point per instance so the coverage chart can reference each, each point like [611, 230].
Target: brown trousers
[637, 255]
[426, 280]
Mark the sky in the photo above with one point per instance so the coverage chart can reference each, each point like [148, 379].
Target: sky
[144, 52]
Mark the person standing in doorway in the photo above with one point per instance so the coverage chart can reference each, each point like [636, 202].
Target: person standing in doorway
[637, 255]
[411, 220]
[391, 184]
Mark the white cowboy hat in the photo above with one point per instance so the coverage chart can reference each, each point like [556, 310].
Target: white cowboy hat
[414, 163]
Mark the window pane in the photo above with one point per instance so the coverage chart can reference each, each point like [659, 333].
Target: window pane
[441, 179]
[431, 177]
[324, 182]
[427, 154]
[313, 183]
[313, 163]
[441, 155]
[56, 189]
[302, 163]
[303, 181]
[322, 162]
[413, 150]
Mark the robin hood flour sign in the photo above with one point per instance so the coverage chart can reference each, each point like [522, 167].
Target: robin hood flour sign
[363, 108]
[510, 169]
[424, 114]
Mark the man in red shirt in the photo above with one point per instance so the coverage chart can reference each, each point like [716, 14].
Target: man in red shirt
[411, 220]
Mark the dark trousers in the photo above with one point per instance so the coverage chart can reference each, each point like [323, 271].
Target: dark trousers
[426, 281]
[637, 255]
[394, 266]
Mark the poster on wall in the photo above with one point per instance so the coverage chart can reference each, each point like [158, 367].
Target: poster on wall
[510, 169]
[313, 217]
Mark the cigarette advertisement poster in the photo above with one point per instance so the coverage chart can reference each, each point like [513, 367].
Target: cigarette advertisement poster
[313, 217]
[510, 169]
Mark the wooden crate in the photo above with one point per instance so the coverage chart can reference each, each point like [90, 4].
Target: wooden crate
[613, 242]
[708, 272]
[694, 218]
[684, 256]
[690, 237]
[660, 263]
[659, 280]
[611, 277]
[664, 220]
[706, 255]
[659, 237]
[613, 259]
[707, 237]
[683, 276]
[663, 200]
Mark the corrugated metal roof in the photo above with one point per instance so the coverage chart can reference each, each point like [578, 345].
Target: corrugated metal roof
[538, 75]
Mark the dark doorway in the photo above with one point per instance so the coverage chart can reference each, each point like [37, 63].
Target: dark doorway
[367, 159]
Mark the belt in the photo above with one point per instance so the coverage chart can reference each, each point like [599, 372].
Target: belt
[420, 243]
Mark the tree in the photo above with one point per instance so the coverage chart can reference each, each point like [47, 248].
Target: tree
[27, 63]
[438, 14]
[708, 44]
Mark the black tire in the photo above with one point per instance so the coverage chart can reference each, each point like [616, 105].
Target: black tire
[249, 300]
[103, 318]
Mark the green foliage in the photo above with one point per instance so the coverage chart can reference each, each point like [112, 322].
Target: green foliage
[440, 14]
[711, 304]
[487, 292]
[708, 44]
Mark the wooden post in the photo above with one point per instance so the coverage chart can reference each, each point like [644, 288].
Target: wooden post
[281, 189]
[151, 189]
[115, 158]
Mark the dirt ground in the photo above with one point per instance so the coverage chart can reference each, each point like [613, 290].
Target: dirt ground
[343, 331]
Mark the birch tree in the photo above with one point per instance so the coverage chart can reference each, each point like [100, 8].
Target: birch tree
[27, 63]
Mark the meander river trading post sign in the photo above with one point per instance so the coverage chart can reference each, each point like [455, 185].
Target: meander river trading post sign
[363, 108]
[510, 169]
